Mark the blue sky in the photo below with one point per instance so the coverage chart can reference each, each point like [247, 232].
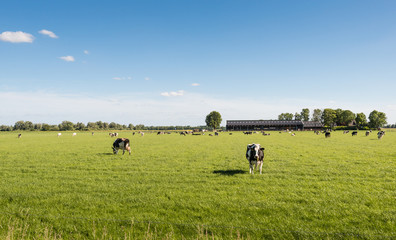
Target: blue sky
[173, 62]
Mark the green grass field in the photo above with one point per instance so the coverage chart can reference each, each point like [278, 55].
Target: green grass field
[197, 187]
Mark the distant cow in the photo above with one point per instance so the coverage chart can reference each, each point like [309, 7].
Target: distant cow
[367, 133]
[255, 156]
[327, 134]
[216, 134]
[123, 144]
[59, 134]
[380, 134]
[20, 135]
[74, 134]
[354, 133]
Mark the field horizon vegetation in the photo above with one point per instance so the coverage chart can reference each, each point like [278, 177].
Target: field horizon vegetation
[197, 187]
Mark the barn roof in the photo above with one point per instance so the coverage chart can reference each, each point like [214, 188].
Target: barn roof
[306, 124]
[263, 122]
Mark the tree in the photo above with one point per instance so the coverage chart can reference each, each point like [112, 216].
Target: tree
[297, 116]
[347, 117]
[305, 114]
[361, 120]
[80, 126]
[317, 115]
[338, 120]
[377, 119]
[66, 126]
[20, 125]
[286, 116]
[329, 117]
[92, 126]
[213, 120]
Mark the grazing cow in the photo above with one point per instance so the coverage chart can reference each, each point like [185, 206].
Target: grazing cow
[59, 134]
[327, 134]
[142, 134]
[210, 135]
[183, 133]
[20, 135]
[121, 143]
[93, 133]
[380, 134]
[74, 134]
[367, 133]
[354, 133]
[230, 133]
[255, 156]
[216, 134]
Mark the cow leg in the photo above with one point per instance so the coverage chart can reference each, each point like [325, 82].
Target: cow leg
[252, 168]
[261, 166]
[123, 151]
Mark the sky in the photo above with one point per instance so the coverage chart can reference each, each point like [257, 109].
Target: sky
[172, 62]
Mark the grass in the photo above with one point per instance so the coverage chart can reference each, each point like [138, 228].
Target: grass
[197, 187]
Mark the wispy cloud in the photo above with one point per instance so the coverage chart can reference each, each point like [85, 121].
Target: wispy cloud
[195, 84]
[147, 78]
[173, 94]
[68, 58]
[122, 78]
[54, 108]
[48, 33]
[86, 52]
[16, 37]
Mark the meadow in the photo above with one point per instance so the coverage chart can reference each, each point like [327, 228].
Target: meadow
[197, 187]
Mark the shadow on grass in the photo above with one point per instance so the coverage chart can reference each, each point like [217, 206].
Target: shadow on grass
[229, 172]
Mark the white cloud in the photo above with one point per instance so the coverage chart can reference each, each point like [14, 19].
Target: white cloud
[86, 52]
[16, 37]
[173, 94]
[147, 78]
[195, 84]
[122, 78]
[48, 33]
[68, 58]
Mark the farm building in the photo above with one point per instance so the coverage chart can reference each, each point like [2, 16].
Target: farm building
[248, 125]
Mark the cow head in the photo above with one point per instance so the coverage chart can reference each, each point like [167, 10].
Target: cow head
[114, 150]
[252, 152]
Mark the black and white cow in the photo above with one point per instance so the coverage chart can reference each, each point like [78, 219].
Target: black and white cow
[123, 144]
[255, 156]
[380, 134]
[327, 134]
[354, 133]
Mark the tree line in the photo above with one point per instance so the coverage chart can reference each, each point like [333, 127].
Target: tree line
[338, 117]
[90, 126]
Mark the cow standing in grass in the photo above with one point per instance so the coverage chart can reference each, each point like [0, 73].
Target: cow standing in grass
[380, 134]
[354, 133]
[123, 144]
[255, 156]
[327, 134]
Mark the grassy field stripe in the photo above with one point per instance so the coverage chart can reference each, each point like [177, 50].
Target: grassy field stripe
[207, 226]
